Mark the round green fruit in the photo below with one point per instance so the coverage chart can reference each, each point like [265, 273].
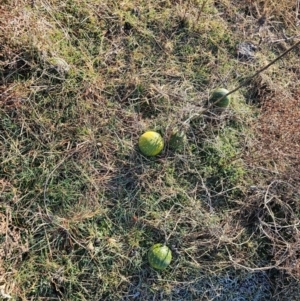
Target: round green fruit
[177, 139]
[151, 143]
[159, 256]
[217, 94]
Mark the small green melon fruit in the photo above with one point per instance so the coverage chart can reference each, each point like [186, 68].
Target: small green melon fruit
[159, 256]
[151, 143]
[218, 93]
[177, 139]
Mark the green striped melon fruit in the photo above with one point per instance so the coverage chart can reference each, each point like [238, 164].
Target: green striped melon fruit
[177, 139]
[151, 143]
[218, 93]
[159, 256]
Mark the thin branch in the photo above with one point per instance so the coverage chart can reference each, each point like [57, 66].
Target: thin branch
[244, 83]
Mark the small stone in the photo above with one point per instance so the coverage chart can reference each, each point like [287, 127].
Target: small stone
[246, 51]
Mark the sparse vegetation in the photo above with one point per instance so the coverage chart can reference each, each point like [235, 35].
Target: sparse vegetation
[80, 206]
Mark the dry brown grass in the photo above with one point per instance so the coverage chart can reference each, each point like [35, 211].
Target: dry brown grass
[272, 207]
[277, 131]
[84, 202]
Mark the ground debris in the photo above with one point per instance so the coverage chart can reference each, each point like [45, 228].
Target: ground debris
[246, 51]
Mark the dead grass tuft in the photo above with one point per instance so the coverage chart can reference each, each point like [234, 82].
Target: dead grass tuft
[277, 131]
[14, 245]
